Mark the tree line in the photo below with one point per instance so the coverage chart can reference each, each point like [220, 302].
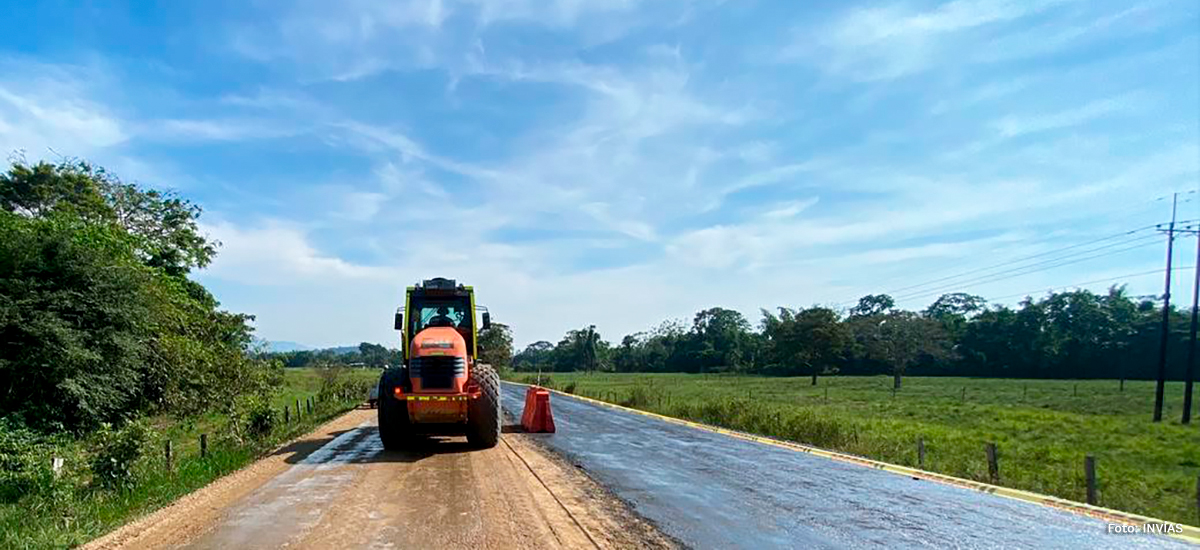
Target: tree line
[99, 319]
[1072, 334]
[495, 347]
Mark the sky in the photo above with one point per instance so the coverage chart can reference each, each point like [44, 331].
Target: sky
[624, 162]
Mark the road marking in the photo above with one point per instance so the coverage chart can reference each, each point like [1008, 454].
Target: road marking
[1190, 533]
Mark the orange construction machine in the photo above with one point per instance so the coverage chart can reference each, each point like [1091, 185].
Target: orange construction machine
[441, 388]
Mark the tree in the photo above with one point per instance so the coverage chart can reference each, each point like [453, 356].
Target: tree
[872, 305]
[164, 226]
[813, 338]
[496, 346]
[97, 322]
[374, 355]
[720, 338]
[535, 357]
[903, 337]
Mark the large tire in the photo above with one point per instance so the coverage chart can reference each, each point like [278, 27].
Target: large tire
[483, 418]
[394, 428]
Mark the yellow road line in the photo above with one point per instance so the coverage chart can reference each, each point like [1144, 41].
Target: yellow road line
[1190, 533]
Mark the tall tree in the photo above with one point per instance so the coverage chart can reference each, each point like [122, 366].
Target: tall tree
[496, 346]
[721, 338]
[873, 304]
[812, 338]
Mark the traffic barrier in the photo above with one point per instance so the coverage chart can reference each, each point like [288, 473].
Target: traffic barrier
[537, 418]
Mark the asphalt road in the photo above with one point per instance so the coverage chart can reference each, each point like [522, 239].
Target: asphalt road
[710, 490]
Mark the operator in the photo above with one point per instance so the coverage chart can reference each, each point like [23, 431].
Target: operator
[442, 319]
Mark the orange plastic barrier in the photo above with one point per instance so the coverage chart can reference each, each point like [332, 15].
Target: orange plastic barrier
[537, 417]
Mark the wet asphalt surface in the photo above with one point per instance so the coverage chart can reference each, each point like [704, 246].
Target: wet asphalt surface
[710, 490]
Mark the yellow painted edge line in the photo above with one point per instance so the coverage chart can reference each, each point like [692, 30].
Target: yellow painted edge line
[1190, 533]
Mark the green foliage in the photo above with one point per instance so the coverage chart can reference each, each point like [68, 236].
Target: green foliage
[496, 346]
[371, 355]
[1076, 334]
[69, 510]
[340, 383]
[24, 462]
[254, 418]
[115, 451]
[98, 321]
[805, 341]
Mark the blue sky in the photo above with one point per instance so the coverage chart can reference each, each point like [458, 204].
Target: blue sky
[621, 162]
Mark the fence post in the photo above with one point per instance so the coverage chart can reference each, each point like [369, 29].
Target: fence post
[964, 394]
[1089, 472]
[167, 451]
[993, 464]
[56, 465]
[297, 410]
[287, 417]
[203, 445]
[921, 452]
[826, 395]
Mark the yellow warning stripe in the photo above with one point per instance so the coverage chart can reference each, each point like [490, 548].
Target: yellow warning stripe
[1190, 533]
[436, 397]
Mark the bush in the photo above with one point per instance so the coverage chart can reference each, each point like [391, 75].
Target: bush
[569, 388]
[115, 451]
[253, 417]
[643, 396]
[24, 462]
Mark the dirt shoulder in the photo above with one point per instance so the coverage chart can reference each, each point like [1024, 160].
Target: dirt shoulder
[336, 487]
[195, 512]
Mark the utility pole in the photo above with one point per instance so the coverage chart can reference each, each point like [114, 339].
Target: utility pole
[1160, 386]
[1190, 369]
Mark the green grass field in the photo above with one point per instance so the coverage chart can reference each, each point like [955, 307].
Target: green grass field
[1042, 428]
[72, 513]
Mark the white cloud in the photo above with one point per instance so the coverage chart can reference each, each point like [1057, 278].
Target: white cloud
[276, 253]
[215, 129]
[892, 40]
[53, 110]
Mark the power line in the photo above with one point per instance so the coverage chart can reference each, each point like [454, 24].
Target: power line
[1035, 267]
[1019, 260]
[1075, 285]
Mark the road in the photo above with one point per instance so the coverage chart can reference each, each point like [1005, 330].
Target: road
[338, 488]
[709, 490]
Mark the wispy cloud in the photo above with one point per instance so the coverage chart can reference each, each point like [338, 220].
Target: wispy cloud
[1014, 126]
[893, 40]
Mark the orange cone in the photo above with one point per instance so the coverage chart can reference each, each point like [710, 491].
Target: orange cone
[537, 417]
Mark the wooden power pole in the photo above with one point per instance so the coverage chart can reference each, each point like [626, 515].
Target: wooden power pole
[1160, 385]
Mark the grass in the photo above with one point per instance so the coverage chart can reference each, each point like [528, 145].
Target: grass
[1042, 428]
[71, 513]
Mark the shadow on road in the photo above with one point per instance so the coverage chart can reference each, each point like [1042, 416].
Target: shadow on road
[420, 446]
[299, 450]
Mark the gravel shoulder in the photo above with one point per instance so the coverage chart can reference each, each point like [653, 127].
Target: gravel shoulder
[337, 487]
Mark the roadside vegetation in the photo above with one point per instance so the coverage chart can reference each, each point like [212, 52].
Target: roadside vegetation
[116, 474]
[109, 349]
[1042, 428]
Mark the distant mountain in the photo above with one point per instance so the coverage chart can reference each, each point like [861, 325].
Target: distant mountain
[281, 346]
[342, 350]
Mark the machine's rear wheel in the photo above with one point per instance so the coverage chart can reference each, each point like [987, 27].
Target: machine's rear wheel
[483, 418]
[394, 428]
